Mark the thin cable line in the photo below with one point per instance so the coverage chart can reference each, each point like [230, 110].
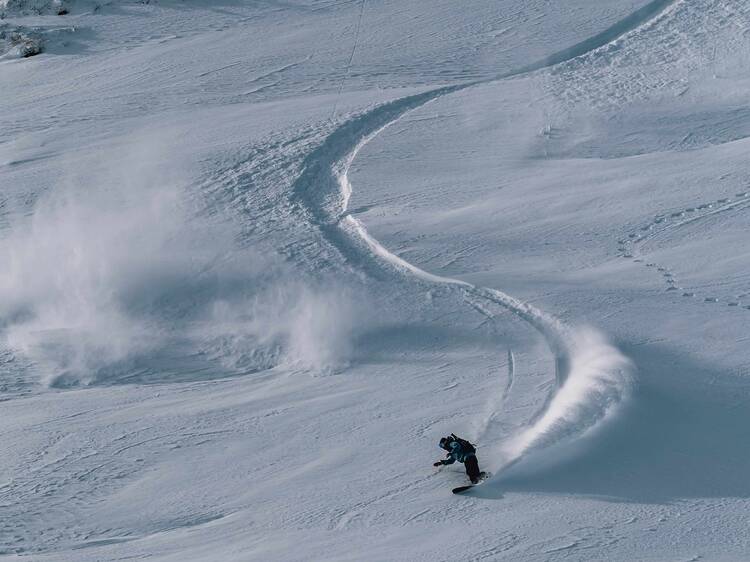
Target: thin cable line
[351, 58]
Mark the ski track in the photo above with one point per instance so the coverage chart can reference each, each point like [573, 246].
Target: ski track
[598, 378]
[511, 375]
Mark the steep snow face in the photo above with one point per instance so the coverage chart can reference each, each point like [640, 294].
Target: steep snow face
[255, 259]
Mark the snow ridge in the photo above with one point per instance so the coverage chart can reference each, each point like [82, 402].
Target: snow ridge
[641, 18]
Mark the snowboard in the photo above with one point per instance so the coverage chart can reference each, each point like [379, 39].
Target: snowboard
[482, 477]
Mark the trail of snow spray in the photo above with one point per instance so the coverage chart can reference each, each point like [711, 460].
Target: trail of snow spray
[597, 383]
[592, 377]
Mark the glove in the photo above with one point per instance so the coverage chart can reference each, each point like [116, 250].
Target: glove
[439, 463]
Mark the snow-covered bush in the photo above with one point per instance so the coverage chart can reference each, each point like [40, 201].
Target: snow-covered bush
[27, 46]
[19, 42]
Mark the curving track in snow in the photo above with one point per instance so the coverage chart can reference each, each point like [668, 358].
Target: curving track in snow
[592, 377]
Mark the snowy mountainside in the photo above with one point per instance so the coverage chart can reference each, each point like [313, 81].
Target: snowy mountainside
[259, 257]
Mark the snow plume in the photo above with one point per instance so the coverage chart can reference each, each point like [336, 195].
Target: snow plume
[292, 324]
[599, 380]
[119, 267]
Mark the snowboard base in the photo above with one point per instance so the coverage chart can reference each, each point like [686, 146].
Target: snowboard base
[482, 477]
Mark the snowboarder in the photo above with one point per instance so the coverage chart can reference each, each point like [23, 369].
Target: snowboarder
[462, 451]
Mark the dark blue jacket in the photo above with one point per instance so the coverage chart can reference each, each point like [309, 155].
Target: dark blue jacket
[457, 453]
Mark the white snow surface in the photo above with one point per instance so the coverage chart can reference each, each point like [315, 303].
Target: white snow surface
[256, 258]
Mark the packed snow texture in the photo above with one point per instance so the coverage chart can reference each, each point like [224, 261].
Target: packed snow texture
[257, 258]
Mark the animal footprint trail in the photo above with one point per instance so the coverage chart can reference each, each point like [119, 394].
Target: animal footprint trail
[632, 247]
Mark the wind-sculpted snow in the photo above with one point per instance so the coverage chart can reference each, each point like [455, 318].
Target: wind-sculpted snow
[340, 148]
[637, 19]
[592, 376]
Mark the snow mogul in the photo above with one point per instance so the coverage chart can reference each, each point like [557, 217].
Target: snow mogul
[462, 451]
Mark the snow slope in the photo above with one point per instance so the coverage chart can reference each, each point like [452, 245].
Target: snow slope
[258, 257]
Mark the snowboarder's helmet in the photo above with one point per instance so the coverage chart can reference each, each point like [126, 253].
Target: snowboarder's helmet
[444, 442]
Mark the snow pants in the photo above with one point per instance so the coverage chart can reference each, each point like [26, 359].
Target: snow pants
[472, 468]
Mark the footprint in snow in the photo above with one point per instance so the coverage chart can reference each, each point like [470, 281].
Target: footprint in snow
[635, 238]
